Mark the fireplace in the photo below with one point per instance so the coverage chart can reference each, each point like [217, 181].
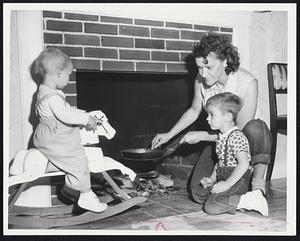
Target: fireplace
[137, 104]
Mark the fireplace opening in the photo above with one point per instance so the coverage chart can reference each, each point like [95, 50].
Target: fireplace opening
[137, 104]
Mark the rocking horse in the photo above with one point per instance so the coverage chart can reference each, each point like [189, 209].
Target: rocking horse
[30, 165]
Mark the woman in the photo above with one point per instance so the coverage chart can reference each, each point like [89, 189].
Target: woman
[218, 64]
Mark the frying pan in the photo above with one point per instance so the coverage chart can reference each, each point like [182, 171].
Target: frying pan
[144, 154]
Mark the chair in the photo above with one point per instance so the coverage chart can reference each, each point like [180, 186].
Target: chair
[277, 80]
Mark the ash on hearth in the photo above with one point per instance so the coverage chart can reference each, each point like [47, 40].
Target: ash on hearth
[161, 185]
[158, 185]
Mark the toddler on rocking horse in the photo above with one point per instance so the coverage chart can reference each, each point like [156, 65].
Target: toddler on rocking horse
[57, 134]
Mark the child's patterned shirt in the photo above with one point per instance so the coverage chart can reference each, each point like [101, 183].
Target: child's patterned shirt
[237, 142]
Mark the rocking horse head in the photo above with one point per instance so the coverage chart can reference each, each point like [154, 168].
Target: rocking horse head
[103, 129]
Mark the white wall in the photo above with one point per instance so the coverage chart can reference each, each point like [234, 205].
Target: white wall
[26, 40]
[14, 91]
[268, 43]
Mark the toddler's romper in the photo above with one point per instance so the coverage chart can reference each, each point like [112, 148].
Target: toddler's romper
[60, 142]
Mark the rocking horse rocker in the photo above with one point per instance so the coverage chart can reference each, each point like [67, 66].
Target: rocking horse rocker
[31, 165]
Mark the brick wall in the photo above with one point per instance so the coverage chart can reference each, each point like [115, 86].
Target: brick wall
[114, 43]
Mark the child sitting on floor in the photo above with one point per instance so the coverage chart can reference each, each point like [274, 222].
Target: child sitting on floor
[226, 189]
[57, 134]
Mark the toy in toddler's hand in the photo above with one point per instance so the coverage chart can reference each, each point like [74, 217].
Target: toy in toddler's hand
[99, 127]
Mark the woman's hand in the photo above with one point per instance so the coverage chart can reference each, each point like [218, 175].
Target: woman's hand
[193, 137]
[159, 139]
[221, 186]
[206, 182]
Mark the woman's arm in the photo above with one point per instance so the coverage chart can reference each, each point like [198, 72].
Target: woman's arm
[186, 119]
[191, 114]
[248, 110]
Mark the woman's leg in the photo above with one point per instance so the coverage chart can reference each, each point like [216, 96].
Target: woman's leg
[258, 180]
[202, 168]
[260, 141]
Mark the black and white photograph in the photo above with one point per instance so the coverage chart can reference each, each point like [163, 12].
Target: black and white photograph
[153, 119]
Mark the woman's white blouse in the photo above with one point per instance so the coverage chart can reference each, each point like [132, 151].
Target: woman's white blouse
[237, 83]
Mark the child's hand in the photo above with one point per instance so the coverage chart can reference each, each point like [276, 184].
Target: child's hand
[92, 123]
[221, 186]
[206, 182]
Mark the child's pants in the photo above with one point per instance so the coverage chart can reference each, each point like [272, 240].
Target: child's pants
[60, 143]
[223, 202]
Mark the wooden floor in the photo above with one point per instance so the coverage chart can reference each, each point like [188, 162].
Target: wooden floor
[176, 211]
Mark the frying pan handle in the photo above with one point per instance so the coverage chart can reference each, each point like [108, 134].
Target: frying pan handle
[169, 149]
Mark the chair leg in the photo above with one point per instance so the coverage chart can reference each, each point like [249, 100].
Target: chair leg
[273, 154]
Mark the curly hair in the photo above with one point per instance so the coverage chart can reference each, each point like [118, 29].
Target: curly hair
[221, 46]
